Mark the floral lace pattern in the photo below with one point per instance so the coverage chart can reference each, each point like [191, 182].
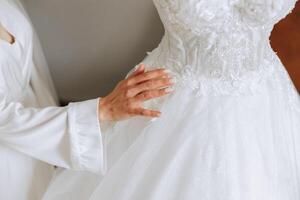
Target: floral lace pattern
[220, 46]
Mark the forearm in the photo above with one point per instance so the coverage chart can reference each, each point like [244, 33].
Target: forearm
[68, 137]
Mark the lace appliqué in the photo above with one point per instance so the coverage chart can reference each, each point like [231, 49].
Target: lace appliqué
[219, 47]
[235, 86]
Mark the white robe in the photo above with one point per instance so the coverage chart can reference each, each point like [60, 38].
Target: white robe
[36, 134]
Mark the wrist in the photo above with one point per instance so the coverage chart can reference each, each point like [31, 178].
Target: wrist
[103, 114]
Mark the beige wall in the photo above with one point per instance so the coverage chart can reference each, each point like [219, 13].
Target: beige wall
[91, 44]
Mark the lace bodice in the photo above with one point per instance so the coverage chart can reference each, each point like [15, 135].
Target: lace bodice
[220, 45]
[213, 13]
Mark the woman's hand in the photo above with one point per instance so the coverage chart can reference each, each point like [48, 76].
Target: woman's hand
[127, 98]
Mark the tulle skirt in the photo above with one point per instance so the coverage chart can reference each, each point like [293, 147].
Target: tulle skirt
[210, 148]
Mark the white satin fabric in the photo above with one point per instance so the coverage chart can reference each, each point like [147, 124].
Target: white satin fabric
[230, 131]
[35, 134]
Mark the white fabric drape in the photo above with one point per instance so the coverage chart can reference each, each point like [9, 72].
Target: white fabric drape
[229, 131]
[33, 129]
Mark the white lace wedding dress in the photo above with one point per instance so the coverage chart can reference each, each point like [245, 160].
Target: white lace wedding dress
[230, 131]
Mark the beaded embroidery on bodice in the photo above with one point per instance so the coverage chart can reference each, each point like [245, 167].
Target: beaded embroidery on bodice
[220, 46]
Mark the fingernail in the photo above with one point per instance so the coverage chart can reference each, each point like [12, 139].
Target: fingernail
[154, 119]
[140, 66]
[167, 77]
[169, 90]
[173, 80]
[167, 71]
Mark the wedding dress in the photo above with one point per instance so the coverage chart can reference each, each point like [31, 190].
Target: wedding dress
[35, 134]
[231, 129]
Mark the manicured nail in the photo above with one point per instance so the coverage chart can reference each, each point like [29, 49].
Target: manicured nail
[136, 67]
[173, 80]
[169, 90]
[154, 119]
[167, 71]
[141, 65]
[168, 76]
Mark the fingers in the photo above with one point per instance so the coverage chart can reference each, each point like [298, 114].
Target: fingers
[152, 85]
[146, 113]
[152, 94]
[141, 86]
[141, 69]
[154, 74]
[147, 96]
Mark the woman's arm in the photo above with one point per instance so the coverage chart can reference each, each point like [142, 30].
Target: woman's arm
[70, 137]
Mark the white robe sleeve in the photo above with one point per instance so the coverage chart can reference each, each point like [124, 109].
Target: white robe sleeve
[68, 137]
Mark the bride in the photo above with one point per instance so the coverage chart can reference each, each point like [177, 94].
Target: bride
[231, 129]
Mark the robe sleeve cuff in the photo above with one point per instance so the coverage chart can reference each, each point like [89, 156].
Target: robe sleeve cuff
[87, 141]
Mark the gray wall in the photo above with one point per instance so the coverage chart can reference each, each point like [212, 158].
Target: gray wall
[91, 44]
